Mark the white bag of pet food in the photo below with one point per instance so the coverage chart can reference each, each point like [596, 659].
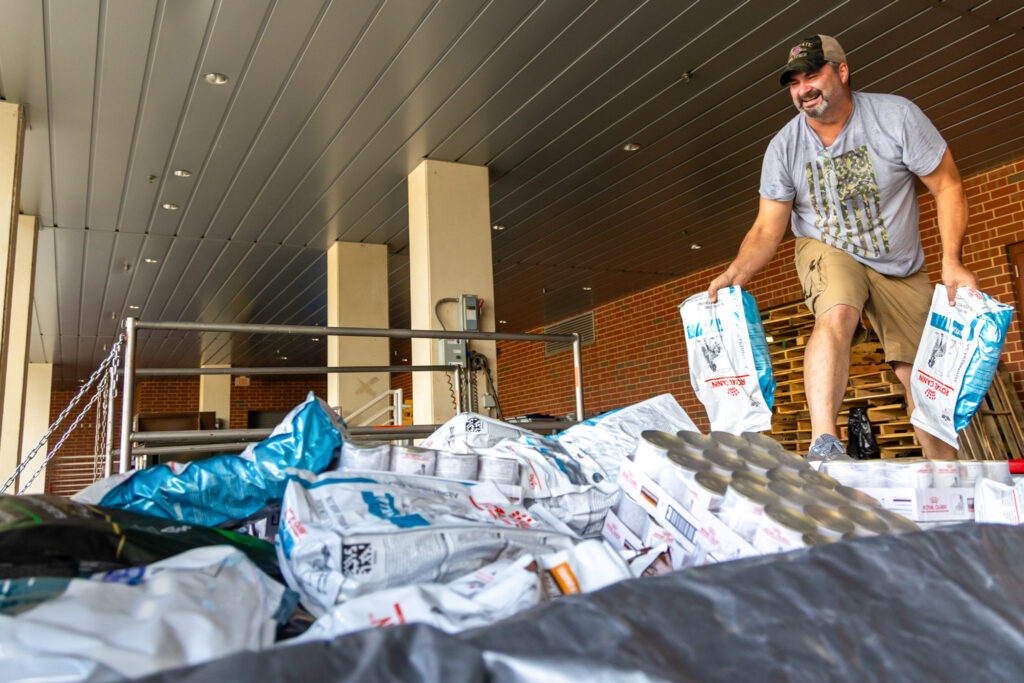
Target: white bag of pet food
[956, 360]
[484, 596]
[730, 367]
[342, 536]
[998, 503]
[469, 432]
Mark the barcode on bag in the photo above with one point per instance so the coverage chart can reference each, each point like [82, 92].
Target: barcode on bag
[356, 558]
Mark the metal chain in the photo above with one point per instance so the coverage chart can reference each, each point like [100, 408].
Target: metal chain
[111, 358]
[63, 438]
[98, 436]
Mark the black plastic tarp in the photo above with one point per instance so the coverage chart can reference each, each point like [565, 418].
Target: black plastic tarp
[945, 604]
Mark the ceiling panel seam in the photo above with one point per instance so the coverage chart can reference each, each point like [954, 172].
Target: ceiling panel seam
[232, 98]
[143, 90]
[316, 26]
[48, 66]
[400, 146]
[362, 101]
[183, 112]
[366, 92]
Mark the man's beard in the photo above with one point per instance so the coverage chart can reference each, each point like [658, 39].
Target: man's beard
[818, 111]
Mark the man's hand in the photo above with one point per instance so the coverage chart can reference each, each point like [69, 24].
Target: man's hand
[954, 275]
[721, 282]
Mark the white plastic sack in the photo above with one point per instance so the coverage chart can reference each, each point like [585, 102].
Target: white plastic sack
[484, 596]
[730, 367]
[469, 432]
[342, 536]
[199, 605]
[956, 360]
[610, 437]
[998, 503]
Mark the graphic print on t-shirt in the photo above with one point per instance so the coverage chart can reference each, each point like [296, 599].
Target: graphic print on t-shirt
[847, 207]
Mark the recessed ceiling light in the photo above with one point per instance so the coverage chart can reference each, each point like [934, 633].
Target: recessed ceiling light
[183, 173]
[134, 308]
[282, 357]
[497, 228]
[630, 147]
[502, 322]
[695, 246]
[215, 78]
[151, 260]
[587, 289]
[169, 206]
[315, 339]
[405, 360]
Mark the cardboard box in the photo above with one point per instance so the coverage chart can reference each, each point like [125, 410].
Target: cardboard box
[693, 532]
[619, 535]
[927, 505]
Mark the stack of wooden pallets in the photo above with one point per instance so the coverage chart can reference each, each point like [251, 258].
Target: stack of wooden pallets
[994, 434]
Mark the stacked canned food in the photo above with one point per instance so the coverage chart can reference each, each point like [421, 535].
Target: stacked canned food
[767, 495]
[917, 473]
[376, 456]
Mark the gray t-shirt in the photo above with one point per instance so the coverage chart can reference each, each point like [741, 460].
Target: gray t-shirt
[858, 195]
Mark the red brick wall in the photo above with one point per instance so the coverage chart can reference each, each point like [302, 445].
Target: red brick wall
[272, 393]
[640, 352]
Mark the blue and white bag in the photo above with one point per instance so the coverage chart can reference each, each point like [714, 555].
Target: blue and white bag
[730, 367]
[956, 360]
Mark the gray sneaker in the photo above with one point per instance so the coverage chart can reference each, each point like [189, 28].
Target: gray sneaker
[826, 448]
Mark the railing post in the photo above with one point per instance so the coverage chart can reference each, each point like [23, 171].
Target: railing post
[128, 393]
[577, 371]
[397, 416]
[111, 408]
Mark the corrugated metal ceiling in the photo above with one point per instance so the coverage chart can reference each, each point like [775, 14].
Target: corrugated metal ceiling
[330, 104]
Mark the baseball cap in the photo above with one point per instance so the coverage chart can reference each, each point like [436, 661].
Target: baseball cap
[811, 54]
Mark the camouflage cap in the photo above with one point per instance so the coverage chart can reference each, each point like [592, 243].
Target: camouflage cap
[811, 54]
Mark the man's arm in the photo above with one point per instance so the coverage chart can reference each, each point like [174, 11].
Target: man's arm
[758, 246]
[951, 205]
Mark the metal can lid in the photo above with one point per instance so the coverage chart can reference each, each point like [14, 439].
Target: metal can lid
[791, 519]
[748, 475]
[762, 441]
[792, 460]
[715, 483]
[758, 458]
[857, 496]
[662, 440]
[413, 449]
[865, 519]
[724, 459]
[695, 439]
[755, 492]
[814, 538]
[364, 445]
[727, 441]
[688, 460]
[828, 518]
[790, 493]
[825, 495]
[819, 479]
[785, 476]
[897, 523]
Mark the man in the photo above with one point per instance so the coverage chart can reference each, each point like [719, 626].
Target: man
[844, 170]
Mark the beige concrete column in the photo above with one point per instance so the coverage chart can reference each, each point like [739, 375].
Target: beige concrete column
[449, 255]
[215, 394]
[357, 296]
[12, 138]
[19, 320]
[36, 421]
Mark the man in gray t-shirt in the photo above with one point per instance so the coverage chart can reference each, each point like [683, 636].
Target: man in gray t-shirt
[843, 172]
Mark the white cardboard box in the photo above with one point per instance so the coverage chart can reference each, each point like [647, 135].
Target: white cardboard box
[927, 505]
[705, 532]
[619, 535]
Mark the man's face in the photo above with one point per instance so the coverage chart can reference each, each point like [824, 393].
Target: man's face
[814, 92]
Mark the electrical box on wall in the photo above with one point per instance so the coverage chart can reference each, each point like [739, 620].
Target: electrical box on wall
[451, 352]
[470, 306]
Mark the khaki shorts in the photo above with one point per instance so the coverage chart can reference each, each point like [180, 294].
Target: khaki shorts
[896, 306]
